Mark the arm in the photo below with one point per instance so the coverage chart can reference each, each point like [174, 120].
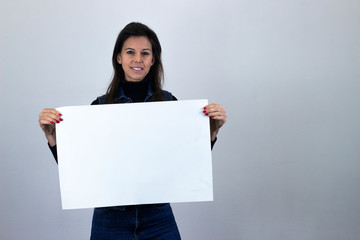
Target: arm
[47, 119]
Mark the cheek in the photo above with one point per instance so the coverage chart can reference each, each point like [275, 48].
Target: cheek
[150, 62]
[122, 67]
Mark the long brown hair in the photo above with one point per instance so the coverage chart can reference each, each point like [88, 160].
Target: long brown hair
[156, 73]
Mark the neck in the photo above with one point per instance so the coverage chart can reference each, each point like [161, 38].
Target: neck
[136, 90]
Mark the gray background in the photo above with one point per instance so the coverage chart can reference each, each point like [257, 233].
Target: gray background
[286, 165]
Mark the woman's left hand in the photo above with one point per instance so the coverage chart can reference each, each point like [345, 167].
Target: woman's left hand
[217, 116]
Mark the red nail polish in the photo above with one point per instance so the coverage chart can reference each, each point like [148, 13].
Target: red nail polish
[60, 114]
[57, 121]
[60, 119]
[206, 114]
[204, 107]
[52, 122]
[204, 111]
[212, 116]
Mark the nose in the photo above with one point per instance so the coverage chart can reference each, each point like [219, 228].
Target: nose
[138, 58]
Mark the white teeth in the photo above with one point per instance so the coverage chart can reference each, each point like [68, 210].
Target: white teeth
[136, 69]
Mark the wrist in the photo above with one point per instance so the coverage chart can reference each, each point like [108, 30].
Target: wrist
[51, 140]
[213, 135]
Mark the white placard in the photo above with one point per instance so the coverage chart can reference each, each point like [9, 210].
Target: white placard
[140, 153]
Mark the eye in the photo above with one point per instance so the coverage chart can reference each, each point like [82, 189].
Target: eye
[145, 53]
[130, 52]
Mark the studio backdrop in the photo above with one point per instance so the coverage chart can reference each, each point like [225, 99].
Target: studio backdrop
[286, 164]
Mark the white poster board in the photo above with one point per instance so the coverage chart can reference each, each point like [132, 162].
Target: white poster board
[139, 153]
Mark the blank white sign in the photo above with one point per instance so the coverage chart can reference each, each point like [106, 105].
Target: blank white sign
[139, 153]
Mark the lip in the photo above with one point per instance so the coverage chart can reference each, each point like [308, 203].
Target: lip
[137, 69]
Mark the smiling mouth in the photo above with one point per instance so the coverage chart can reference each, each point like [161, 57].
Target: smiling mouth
[136, 68]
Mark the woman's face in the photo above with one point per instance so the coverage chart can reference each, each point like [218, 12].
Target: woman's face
[136, 58]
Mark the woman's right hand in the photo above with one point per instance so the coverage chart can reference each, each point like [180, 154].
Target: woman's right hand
[47, 119]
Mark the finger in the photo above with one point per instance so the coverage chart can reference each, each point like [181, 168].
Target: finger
[49, 118]
[52, 110]
[50, 115]
[218, 117]
[210, 106]
[213, 105]
[48, 121]
[214, 108]
[215, 111]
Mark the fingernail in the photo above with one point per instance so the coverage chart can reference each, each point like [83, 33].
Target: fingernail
[212, 116]
[60, 119]
[204, 111]
[52, 122]
[204, 107]
[60, 114]
[57, 121]
[206, 114]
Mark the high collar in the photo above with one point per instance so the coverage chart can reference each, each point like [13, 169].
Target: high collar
[135, 91]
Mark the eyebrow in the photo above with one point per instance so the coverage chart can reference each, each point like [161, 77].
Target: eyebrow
[145, 49]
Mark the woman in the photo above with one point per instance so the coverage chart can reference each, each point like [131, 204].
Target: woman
[138, 75]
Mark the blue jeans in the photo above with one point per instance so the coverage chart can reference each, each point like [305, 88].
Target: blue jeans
[140, 222]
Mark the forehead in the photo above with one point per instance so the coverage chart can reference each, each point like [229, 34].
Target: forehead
[137, 42]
